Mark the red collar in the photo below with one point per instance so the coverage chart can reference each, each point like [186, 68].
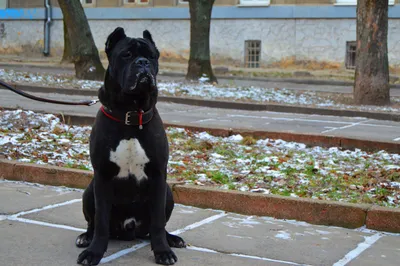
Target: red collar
[131, 118]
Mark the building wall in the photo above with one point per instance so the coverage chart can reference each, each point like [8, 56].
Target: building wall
[308, 39]
[307, 33]
[30, 3]
[163, 3]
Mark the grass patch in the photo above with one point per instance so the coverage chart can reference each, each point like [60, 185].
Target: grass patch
[218, 177]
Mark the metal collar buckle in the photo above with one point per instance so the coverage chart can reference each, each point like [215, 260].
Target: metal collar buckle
[127, 118]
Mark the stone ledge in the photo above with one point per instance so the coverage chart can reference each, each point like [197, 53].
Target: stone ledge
[308, 210]
[383, 219]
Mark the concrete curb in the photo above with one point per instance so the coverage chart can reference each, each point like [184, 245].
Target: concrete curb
[312, 211]
[282, 108]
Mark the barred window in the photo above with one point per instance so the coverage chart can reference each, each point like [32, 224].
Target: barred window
[252, 53]
[351, 54]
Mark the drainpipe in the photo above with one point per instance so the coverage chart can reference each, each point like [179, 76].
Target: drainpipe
[47, 24]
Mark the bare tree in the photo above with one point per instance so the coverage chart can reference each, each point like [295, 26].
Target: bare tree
[371, 85]
[84, 51]
[67, 55]
[200, 21]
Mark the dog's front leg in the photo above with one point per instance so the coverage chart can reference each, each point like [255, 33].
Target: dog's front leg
[103, 197]
[162, 252]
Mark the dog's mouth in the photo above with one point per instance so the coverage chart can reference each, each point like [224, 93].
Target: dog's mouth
[143, 79]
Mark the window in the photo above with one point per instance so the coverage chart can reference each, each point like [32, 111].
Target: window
[138, 2]
[252, 53]
[88, 2]
[351, 54]
[354, 2]
[254, 2]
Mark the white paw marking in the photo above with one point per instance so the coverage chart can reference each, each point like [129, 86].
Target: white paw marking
[131, 159]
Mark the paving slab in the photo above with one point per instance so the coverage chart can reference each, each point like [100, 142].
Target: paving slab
[266, 237]
[70, 215]
[28, 244]
[16, 197]
[187, 257]
[386, 251]
[361, 131]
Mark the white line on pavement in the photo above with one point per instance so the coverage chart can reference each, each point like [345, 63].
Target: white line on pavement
[176, 232]
[124, 252]
[204, 120]
[200, 223]
[266, 259]
[348, 126]
[364, 229]
[52, 206]
[291, 119]
[361, 247]
[241, 255]
[29, 221]
[207, 250]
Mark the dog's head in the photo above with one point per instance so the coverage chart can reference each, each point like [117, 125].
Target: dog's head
[132, 70]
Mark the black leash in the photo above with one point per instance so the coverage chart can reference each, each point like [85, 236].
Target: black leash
[36, 98]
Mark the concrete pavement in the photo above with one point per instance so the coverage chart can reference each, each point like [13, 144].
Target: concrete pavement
[39, 224]
[351, 127]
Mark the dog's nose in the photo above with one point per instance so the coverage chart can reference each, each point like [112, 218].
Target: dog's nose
[142, 62]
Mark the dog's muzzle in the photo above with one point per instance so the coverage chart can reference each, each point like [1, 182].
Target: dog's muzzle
[144, 74]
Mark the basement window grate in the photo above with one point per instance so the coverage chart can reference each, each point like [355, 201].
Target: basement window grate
[351, 55]
[252, 53]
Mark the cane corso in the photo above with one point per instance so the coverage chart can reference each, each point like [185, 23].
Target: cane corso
[128, 197]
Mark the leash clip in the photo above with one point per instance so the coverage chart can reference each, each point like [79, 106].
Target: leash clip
[93, 102]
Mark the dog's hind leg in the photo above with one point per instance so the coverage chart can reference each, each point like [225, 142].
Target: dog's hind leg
[175, 241]
[85, 239]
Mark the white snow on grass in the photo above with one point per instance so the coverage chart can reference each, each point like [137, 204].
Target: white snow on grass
[266, 166]
[203, 90]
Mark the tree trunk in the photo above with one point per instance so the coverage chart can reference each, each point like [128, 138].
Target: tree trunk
[200, 20]
[84, 51]
[371, 85]
[67, 55]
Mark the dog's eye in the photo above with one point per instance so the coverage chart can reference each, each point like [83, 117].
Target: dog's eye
[127, 54]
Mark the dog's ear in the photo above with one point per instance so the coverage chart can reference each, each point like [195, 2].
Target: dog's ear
[147, 36]
[117, 35]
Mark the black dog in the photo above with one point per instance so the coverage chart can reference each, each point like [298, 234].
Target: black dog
[129, 196]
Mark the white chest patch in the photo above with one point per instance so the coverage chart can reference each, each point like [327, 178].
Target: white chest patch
[131, 159]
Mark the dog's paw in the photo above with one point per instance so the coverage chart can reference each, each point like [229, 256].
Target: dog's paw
[175, 241]
[83, 240]
[89, 257]
[165, 257]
